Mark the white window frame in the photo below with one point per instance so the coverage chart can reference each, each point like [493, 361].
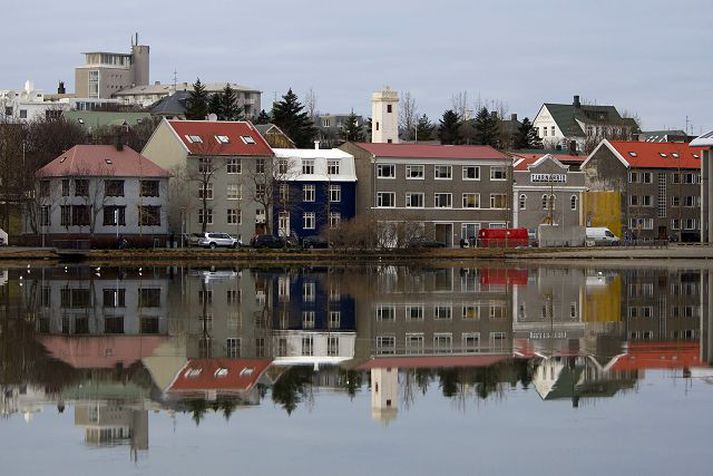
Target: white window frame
[411, 168]
[448, 169]
[382, 168]
[466, 168]
[449, 199]
[380, 199]
[308, 221]
[409, 199]
[335, 193]
[308, 193]
[234, 166]
[477, 200]
[307, 166]
[498, 168]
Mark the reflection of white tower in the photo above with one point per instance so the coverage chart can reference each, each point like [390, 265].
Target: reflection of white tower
[385, 116]
[384, 394]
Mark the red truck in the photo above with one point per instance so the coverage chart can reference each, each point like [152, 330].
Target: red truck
[503, 237]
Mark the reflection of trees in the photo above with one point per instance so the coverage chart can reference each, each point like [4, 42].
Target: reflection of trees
[351, 380]
[292, 387]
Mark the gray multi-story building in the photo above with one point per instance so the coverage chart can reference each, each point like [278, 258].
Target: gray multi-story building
[105, 73]
[442, 192]
[659, 183]
[222, 175]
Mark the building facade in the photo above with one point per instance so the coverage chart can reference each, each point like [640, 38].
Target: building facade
[446, 193]
[100, 192]
[316, 191]
[385, 116]
[105, 73]
[705, 142]
[659, 183]
[223, 174]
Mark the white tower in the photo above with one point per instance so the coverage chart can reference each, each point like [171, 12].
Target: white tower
[384, 394]
[385, 116]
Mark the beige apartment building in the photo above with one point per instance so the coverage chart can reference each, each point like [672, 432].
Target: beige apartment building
[105, 73]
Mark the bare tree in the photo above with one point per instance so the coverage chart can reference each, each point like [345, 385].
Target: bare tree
[408, 116]
[311, 103]
[206, 165]
[459, 104]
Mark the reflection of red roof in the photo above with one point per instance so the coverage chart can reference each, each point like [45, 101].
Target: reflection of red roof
[660, 355]
[100, 352]
[209, 145]
[649, 154]
[433, 362]
[503, 276]
[219, 374]
[433, 151]
[101, 161]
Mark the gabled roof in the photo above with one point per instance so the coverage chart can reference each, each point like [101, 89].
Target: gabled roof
[265, 129]
[101, 352]
[428, 151]
[653, 155]
[208, 131]
[566, 116]
[705, 140]
[101, 161]
[173, 105]
[525, 159]
[660, 355]
[218, 374]
[533, 161]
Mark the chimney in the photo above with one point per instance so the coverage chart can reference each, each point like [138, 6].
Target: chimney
[316, 145]
[576, 102]
[513, 117]
[61, 89]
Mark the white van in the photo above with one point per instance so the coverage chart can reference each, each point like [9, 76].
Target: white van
[601, 236]
[3, 238]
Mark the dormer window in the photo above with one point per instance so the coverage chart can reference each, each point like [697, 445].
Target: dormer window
[108, 161]
[675, 155]
[194, 139]
[246, 372]
[248, 139]
[222, 139]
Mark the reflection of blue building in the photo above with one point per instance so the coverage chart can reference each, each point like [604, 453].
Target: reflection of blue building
[317, 189]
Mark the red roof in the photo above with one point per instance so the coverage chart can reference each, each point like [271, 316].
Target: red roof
[101, 161]
[432, 151]
[433, 362]
[219, 374]
[529, 159]
[503, 276]
[660, 355]
[238, 135]
[100, 352]
[659, 155]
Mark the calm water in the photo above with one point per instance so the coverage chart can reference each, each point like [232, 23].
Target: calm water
[357, 370]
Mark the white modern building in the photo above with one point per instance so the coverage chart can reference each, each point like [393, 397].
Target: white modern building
[385, 116]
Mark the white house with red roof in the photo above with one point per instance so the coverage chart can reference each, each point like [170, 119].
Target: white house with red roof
[222, 171]
[100, 192]
[659, 183]
[445, 193]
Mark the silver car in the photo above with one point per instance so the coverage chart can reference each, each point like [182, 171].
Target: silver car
[214, 240]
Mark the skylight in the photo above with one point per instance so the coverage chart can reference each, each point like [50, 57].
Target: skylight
[248, 139]
[192, 373]
[662, 154]
[194, 139]
[221, 372]
[62, 159]
[108, 161]
[246, 372]
[222, 139]
[695, 156]
[675, 155]
[633, 154]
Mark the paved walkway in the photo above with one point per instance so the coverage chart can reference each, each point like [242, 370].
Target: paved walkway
[704, 252]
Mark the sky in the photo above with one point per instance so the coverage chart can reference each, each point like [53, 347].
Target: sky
[648, 57]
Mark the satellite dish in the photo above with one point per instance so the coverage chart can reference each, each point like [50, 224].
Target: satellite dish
[212, 117]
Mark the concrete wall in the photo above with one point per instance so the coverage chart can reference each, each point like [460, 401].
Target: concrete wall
[558, 235]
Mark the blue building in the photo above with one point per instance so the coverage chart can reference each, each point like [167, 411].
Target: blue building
[317, 190]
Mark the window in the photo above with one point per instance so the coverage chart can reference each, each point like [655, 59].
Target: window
[646, 177]
[113, 214]
[414, 172]
[573, 202]
[675, 224]
[470, 311]
[470, 341]
[442, 200]
[414, 342]
[385, 344]
[80, 215]
[149, 297]
[149, 188]
[471, 173]
[442, 312]
[633, 177]
[205, 191]
[205, 165]
[284, 192]
[65, 215]
[335, 218]
[676, 177]
[335, 193]
[260, 192]
[259, 166]
[335, 319]
[333, 167]
[234, 166]
[205, 216]
[114, 188]
[548, 202]
[232, 347]
[283, 166]
[307, 345]
[497, 310]
[414, 313]
[44, 188]
[222, 139]
[641, 223]
[675, 201]
[23, 113]
[260, 216]
[149, 215]
[332, 345]
[442, 172]
[414, 200]
[689, 178]
[234, 191]
[308, 319]
[65, 187]
[234, 216]
[45, 215]
[194, 139]
[498, 200]
[385, 199]
[385, 313]
[388, 108]
[307, 166]
[81, 188]
[522, 202]
[442, 342]
[8, 109]
[471, 200]
[386, 171]
[248, 140]
[308, 193]
[498, 172]
[689, 224]
[309, 221]
[114, 298]
[689, 201]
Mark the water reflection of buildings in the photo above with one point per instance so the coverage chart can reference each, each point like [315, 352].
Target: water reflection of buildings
[129, 341]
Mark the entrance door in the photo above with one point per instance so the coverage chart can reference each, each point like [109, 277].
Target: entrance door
[444, 233]
[663, 233]
[283, 225]
[469, 232]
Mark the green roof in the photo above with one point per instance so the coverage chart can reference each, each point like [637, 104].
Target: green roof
[92, 120]
[566, 116]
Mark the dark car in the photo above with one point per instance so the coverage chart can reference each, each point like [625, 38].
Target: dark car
[267, 241]
[426, 244]
[312, 242]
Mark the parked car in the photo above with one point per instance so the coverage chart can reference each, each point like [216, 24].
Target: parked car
[213, 240]
[312, 242]
[426, 244]
[601, 236]
[267, 241]
[503, 237]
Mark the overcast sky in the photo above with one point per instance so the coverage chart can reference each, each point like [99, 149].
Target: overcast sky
[651, 57]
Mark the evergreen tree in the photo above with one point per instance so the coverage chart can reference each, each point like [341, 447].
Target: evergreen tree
[424, 128]
[533, 138]
[487, 125]
[215, 105]
[197, 102]
[229, 107]
[448, 129]
[290, 116]
[262, 118]
[352, 131]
